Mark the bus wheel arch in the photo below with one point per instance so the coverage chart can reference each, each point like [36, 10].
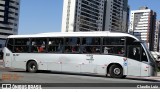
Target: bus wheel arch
[114, 68]
[31, 66]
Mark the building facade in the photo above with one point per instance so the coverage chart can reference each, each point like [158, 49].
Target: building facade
[157, 36]
[116, 15]
[142, 25]
[94, 15]
[9, 17]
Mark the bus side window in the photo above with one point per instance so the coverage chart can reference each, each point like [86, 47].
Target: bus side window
[38, 45]
[91, 45]
[144, 56]
[72, 45]
[21, 45]
[55, 45]
[114, 45]
[134, 53]
[115, 50]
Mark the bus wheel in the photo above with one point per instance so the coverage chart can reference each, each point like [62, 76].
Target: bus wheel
[32, 67]
[116, 71]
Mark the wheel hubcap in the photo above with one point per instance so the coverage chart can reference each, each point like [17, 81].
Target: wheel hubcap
[117, 71]
[32, 67]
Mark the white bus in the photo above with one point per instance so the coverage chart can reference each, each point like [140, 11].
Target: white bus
[100, 53]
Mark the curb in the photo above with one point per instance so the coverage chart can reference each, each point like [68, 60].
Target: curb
[152, 79]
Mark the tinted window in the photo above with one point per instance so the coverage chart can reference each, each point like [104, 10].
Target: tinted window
[38, 45]
[113, 41]
[72, 45]
[114, 45]
[91, 49]
[130, 41]
[55, 45]
[22, 41]
[118, 50]
[72, 41]
[21, 45]
[144, 56]
[91, 41]
[134, 52]
[10, 44]
[91, 45]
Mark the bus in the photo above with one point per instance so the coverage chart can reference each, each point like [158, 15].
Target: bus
[101, 53]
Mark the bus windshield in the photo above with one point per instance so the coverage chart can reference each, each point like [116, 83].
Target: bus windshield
[149, 54]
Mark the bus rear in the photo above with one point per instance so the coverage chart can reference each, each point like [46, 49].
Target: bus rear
[7, 54]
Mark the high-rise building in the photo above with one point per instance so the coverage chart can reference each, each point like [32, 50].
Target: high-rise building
[95, 15]
[142, 25]
[9, 17]
[157, 36]
[116, 15]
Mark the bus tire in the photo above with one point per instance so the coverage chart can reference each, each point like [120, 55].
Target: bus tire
[124, 76]
[32, 67]
[116, 71]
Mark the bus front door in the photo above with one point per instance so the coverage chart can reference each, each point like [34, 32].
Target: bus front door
[144, 66]
[134, 64]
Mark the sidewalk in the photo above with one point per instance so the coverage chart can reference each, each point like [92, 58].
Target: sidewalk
[151, 79]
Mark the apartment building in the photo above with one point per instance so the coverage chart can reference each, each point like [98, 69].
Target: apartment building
[142, 25]
[157, 36]
[9, 17]
[95, 15]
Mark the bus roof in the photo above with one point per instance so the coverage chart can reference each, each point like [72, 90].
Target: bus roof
[75, 34]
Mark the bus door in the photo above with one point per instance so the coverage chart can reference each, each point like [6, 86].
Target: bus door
[88, 66]
[144, 65]
[134, 64]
